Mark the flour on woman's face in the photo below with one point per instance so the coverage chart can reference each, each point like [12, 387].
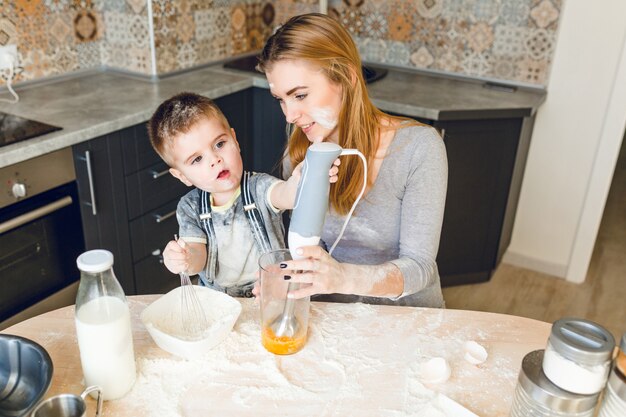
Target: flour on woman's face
[308, 98]
[325, 117]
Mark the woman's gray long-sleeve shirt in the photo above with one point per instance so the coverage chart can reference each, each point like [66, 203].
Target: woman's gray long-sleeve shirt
[399, 219]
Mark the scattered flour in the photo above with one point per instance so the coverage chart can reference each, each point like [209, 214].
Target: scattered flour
[339, 372]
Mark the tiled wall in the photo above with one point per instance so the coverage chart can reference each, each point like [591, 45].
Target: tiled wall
[511, 40]
[126, 41]
[52, 36]
[193, 32]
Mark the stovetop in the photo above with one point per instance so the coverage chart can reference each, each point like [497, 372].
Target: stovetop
[15, 128]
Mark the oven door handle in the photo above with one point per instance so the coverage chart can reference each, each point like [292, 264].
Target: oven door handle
[35, 214]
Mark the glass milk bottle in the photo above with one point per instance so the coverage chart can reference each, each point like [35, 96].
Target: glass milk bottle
[103, 327]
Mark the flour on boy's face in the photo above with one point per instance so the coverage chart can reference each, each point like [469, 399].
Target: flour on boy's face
[207, 157]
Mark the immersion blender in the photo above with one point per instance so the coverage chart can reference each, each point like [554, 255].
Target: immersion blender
[308, 217]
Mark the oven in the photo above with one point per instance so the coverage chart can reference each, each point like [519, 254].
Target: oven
[40, 236]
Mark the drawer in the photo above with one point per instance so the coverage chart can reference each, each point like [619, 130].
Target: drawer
[152, 277]
[153, 230]
[137, 152]
[150, 188]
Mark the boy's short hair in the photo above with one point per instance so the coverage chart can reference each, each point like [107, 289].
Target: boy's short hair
[177, 115]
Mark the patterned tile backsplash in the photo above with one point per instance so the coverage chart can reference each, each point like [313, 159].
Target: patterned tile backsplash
[508, 40]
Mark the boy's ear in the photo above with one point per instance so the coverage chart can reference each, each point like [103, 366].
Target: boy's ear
[235, 137]
[181, 177]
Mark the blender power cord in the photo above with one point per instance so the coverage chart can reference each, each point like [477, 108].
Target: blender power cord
[345, 223]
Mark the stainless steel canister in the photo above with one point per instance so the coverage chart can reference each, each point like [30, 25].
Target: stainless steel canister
[537, 396]
[578, 355]
[614, 403]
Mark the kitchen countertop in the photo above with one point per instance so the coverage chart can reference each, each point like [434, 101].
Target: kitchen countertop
[359, 360]
[96, 103]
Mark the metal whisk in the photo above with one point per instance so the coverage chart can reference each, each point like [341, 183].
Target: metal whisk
[193, 318]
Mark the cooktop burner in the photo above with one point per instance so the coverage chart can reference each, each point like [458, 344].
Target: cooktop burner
[15, 129]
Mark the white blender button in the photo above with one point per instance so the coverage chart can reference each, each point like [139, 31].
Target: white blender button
[19, 190]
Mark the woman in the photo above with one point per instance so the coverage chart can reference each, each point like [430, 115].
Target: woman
[387, 253]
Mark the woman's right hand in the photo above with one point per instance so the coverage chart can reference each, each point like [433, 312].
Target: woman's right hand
[176, 256]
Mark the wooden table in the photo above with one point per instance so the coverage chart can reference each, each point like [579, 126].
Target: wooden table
[359, 360]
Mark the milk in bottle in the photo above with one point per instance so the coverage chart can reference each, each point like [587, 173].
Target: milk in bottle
[103, 327]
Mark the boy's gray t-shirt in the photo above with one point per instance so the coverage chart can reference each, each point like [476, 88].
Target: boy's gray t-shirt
[237, 251]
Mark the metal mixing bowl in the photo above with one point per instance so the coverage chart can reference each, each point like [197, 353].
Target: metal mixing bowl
[25, 374]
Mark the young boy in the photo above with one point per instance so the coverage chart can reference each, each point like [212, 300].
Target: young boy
[231, 217]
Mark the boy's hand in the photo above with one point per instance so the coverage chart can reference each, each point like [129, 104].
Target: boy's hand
[283, 196]
[176, 257]
[332, 173]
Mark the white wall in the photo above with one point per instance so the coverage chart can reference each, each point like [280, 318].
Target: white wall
[575, 142]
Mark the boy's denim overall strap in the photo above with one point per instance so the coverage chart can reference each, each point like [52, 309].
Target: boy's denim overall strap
[205, 217]
[255, 219]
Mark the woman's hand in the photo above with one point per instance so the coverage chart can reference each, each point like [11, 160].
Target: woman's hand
[321, 273]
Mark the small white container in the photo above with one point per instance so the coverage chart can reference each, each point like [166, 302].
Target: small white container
[537, 396]
[578, 356]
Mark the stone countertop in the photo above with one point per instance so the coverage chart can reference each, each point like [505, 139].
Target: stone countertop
[94, 104]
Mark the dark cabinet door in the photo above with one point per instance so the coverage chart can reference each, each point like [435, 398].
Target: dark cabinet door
[481, 160]
[237, 109]
[269, 133]
[102, 196]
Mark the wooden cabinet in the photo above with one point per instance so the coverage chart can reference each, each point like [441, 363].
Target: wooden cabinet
[135, 198]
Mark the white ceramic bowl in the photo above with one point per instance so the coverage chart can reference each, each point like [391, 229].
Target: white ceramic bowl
[162, 319]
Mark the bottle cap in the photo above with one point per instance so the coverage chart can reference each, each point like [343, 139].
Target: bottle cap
[94, 261]
[542, 391]
[582, 341]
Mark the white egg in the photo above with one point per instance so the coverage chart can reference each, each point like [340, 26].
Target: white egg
[474, 353]
[435, 371]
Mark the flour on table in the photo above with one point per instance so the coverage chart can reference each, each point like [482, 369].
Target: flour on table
[339, 372]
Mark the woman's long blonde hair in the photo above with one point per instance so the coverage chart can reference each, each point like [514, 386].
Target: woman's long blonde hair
[322, 41]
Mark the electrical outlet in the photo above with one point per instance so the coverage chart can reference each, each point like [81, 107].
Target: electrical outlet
[8, 56]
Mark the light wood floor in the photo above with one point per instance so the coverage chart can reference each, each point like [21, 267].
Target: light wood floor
[601, 298]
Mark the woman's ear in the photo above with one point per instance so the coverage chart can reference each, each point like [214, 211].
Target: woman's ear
[181, 177]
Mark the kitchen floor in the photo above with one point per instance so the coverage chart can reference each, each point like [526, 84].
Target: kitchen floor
[601, 298]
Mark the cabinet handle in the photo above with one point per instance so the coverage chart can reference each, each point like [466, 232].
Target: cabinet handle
[157, 253]
[157, 174]
[91, 187]
[443, 133]
[159, 218]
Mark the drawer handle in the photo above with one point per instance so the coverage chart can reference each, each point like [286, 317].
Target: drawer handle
[157, 174]
[92, 192]
[160, 218]
[157, 253]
